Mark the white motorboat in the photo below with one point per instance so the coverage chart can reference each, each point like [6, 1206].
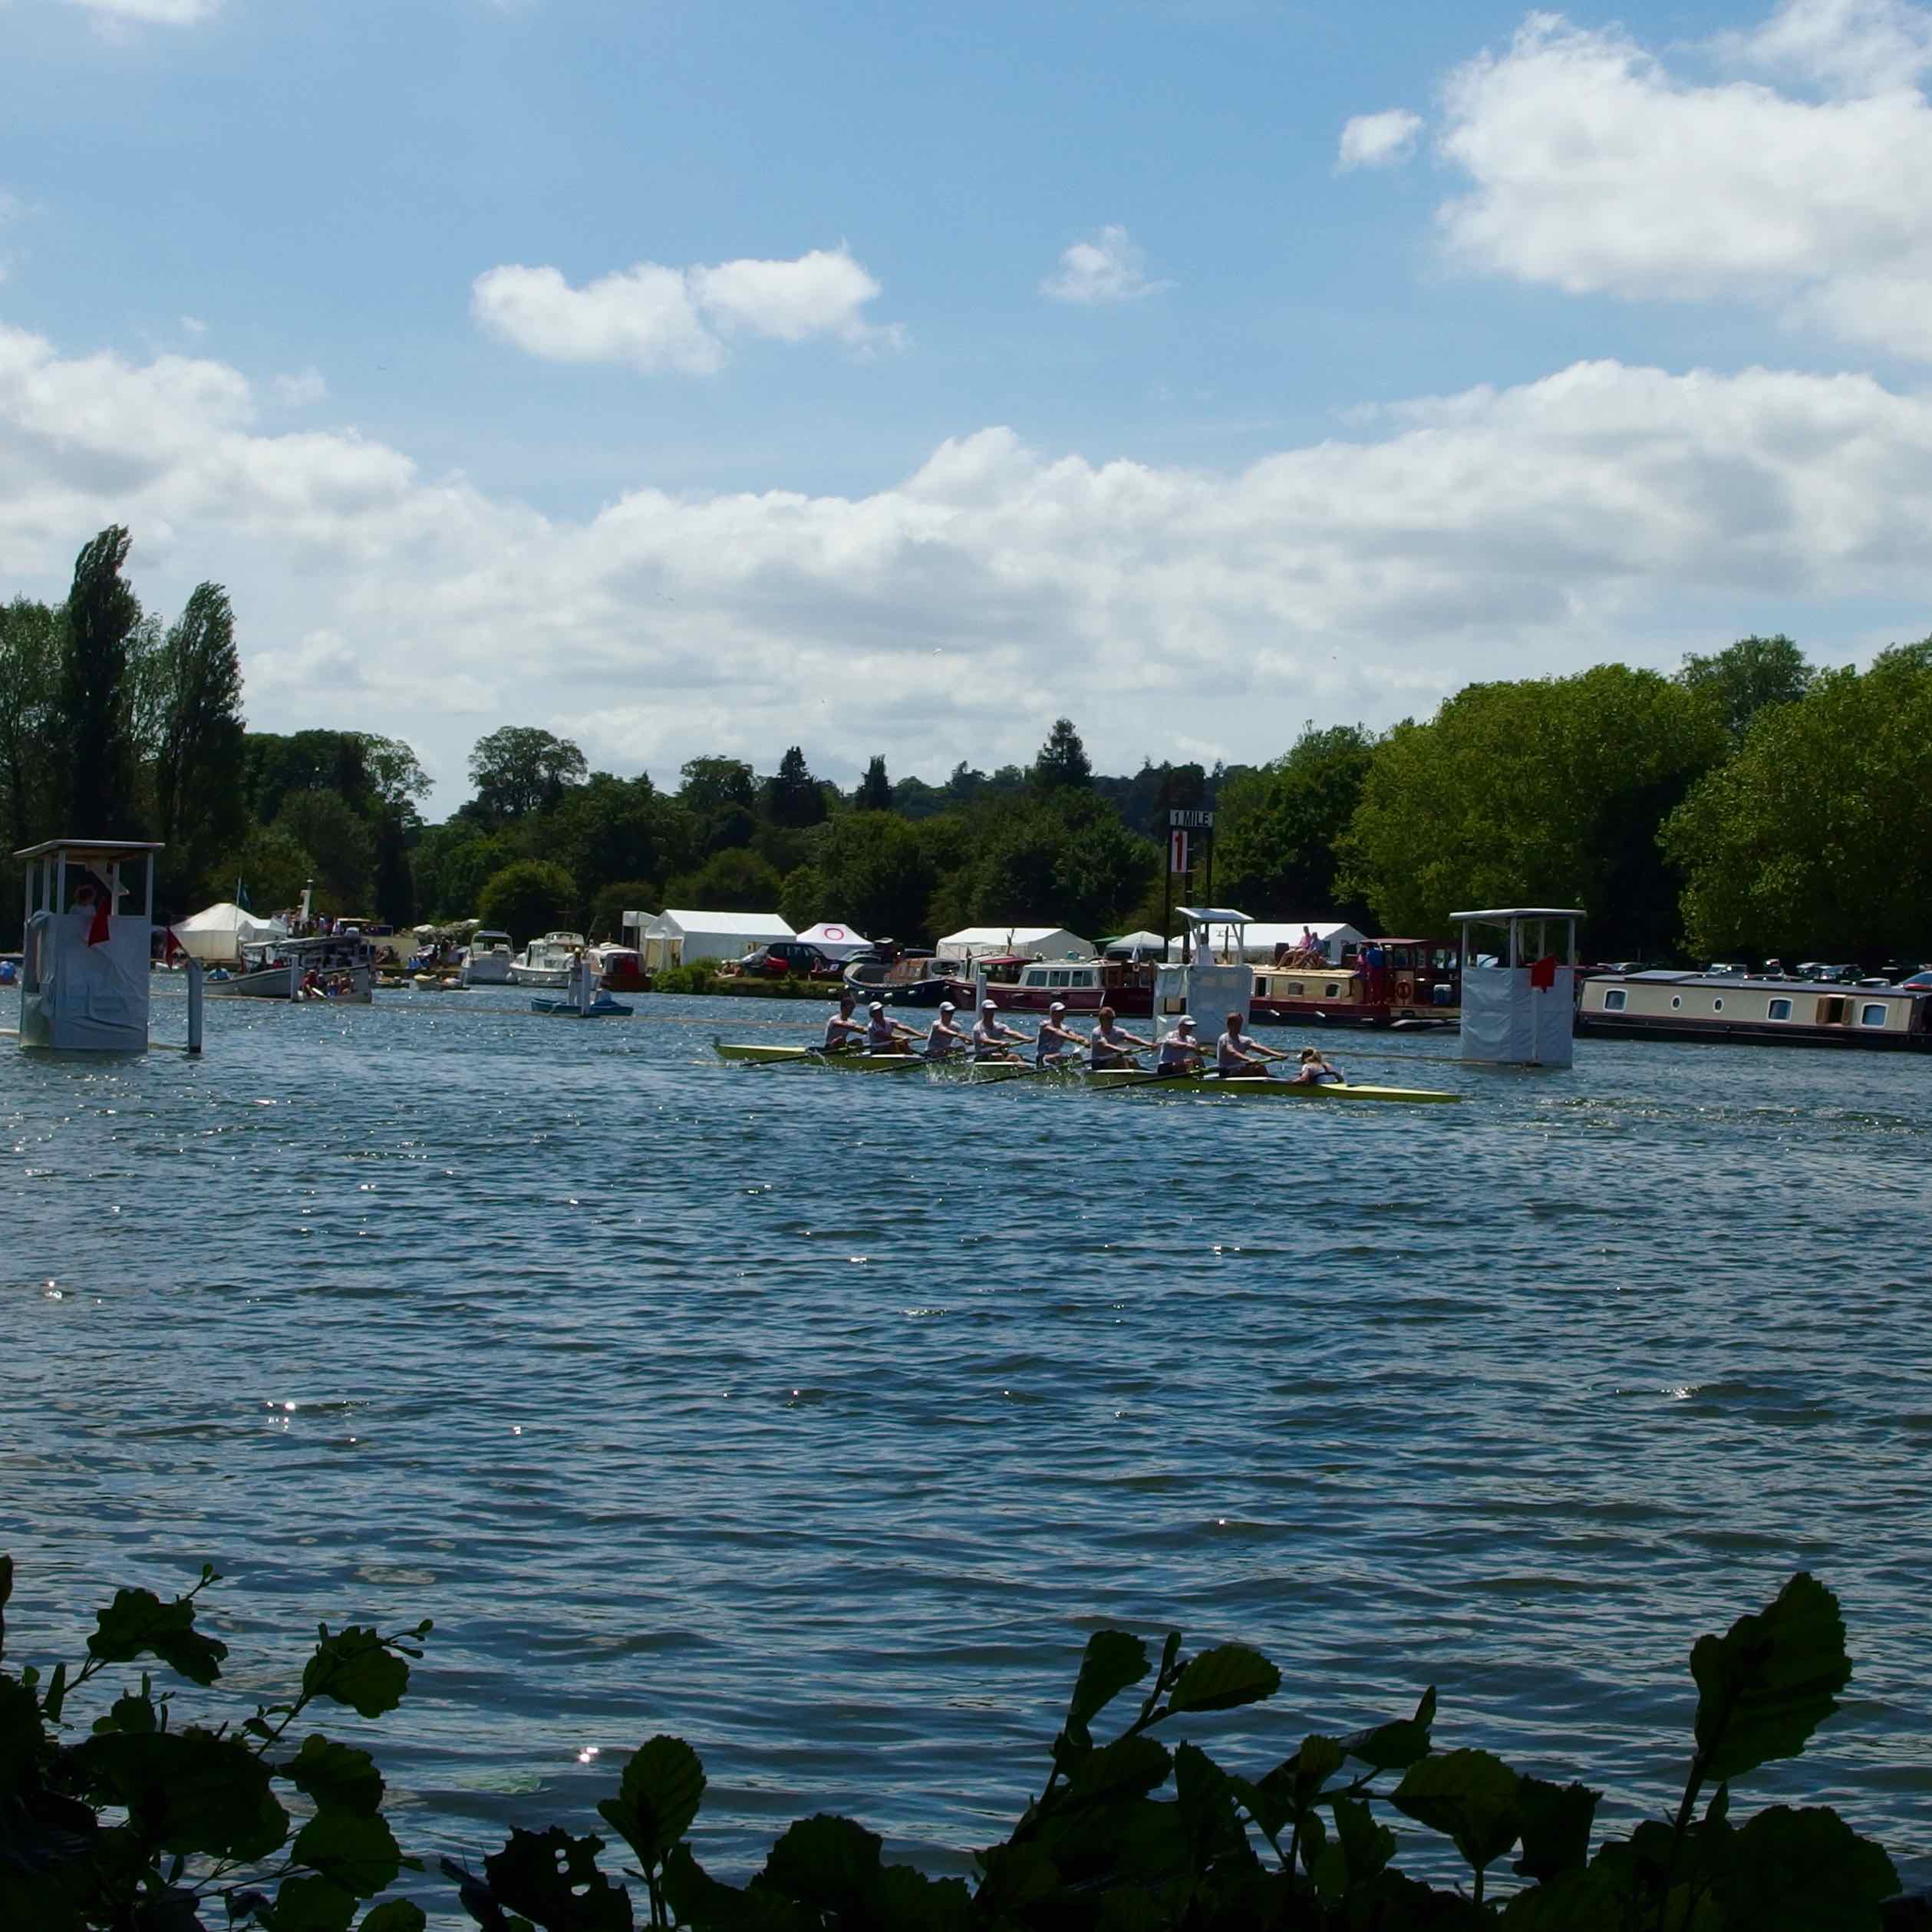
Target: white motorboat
[488, 959]
[548, 961]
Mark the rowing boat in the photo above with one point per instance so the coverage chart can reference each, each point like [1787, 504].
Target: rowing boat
[1259, 1086]
[1113, 1080]
[845, 1063]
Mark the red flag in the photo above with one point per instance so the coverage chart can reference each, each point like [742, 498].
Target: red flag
[97, 902]
[1542, 972]
[171, 946]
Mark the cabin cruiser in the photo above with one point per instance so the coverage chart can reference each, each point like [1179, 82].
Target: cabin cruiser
[487, 960]
[547, 961]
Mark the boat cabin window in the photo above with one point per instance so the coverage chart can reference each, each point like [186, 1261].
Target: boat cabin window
[1717, 1005]
[1334, 992]
[1831, 1013]
[1056, 979]
[1676, 1000]
[1873, 1015]
[1615, 999]
[1780, 1009]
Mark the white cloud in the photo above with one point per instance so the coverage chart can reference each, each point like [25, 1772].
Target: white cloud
[955, 613]
[193, 325]
[658, 318]
[1598, 170]
[1111, 267]
[161, 13]
[302, 390]
[1382, 141]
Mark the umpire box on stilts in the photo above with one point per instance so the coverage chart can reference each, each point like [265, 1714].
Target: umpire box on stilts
[1519, 1010]
[88, 940]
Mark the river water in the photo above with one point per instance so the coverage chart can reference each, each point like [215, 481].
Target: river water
[818, 1418]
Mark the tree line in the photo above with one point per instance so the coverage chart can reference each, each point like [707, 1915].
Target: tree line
[1750, 804]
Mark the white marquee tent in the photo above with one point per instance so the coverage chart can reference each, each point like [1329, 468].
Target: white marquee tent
[216, 935]
[1050, 942]
[835, 941]
[674, 938]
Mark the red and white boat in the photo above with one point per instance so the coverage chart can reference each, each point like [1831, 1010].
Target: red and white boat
[1417, 983]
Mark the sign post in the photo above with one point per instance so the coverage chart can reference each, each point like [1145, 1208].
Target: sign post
[1180, 827]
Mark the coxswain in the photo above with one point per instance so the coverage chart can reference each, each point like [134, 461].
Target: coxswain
[885, 1035]
[1314, 1070]
[993, 1039]
[1056, 1042]
[946, 1036]
[1180, 1051]
[1111, 1046]
[1237, 1057]
[842, 1032]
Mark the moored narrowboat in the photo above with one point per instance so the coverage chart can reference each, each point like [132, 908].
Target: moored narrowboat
[1413, 983]
[1663, 1005]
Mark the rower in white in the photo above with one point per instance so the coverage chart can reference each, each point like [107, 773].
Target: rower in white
[946, 1038]
[1181, 1053]
[1056, 1042]
[841, 1031]
[885, 1035]
[993, 1039]
[1238, 1057]
[1113, 1046]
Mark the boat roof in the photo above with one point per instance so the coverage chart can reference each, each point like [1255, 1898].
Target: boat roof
[1214, 916]
[1666, 976]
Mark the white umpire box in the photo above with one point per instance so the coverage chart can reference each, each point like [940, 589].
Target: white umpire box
[1520, 1010]
[84, 978]
[1215, 980]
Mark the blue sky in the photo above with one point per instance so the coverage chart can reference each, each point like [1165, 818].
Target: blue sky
[710, 378]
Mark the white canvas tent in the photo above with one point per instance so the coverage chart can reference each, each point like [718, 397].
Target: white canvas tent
[674, 938]
[1258, 942]
[1049, 942]
[1129, 943]
[835, 941]
[216, 934]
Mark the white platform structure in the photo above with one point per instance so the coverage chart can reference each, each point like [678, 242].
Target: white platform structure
[1521, 1011]
[1208, 987]
[83, 977]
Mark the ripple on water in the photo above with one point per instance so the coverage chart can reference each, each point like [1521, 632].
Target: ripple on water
[819, 1420]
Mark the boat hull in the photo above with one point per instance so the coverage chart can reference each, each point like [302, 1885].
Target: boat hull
[601, 1008]
[539, 976]
[1260, 1087]
[275, 984]
[1747, 1033]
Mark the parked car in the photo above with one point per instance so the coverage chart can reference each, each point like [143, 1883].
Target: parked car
[1920, 981]
[1729, 969]
[784, 958]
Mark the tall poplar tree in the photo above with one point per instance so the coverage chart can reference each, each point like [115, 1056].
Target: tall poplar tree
[91, 726]
[198, 759]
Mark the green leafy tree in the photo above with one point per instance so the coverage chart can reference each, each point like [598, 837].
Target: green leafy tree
[720, 795]
[341, 843]
[1745, 677]
[609, 829]
[520, 769]
[1814, 839]
[396, 778]
[31, 655]
[804, 898]
[91, 723]
[736, 881]
[792, 796]
[871, 870]
[528, 899]
[875, 792]
[1064, 858]
[1277, 826]
[608, 908]
[1547, 791]
[198, 760]
[395, 882]
[453, 862]
[1061, 763]
[271, 865]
